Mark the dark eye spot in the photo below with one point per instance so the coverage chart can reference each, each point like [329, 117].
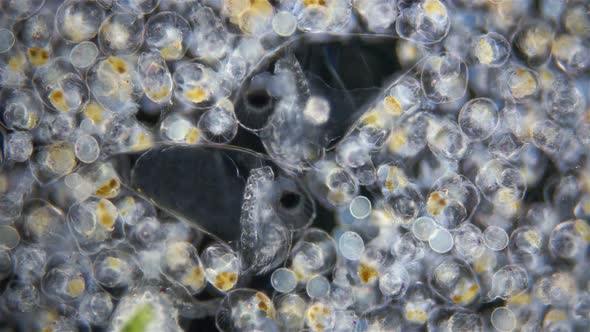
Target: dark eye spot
[290, 200]
[259, 99]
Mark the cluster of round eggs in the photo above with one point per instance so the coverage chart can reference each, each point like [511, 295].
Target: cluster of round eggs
[456, 199]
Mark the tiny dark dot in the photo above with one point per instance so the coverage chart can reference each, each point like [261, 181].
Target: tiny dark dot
[290, 200]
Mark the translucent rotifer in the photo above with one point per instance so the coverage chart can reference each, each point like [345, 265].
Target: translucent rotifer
[53, 161]
[77, 21]
[168, 34]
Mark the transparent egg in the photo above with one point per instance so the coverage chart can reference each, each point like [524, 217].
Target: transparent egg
[138, 7]
[182, 265]
[60, 86]
[503, 319]
[18, 10]
[246, 309]
[423, 22]
[219, 124]
[115, 84]
[9, 237]
[495, 238]
[84, 54]
[491, 49]
[86, 149]
[96, 308]
[351, 245]
[121, 34]
[455, 282]
[209, 39]
[21, 109]
[117, 271]
[222, 267]
[155, 77]
[318, 287]
[360, 207]
[77, 21]
[21, 296]
[6, 40]
[53, 161]
[478, 118]
[291, 311]
[394, 281]
[441, 241]
[18, 146]
[508, 281]
[37, 30]
[283, 280]
[29, 263]
[284, 24]
[444, 78]
[522, 83]
[167, 33]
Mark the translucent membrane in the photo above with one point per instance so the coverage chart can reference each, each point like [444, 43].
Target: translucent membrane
[351, 246]
[283, 280]
[503, 319]
[360, 207]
